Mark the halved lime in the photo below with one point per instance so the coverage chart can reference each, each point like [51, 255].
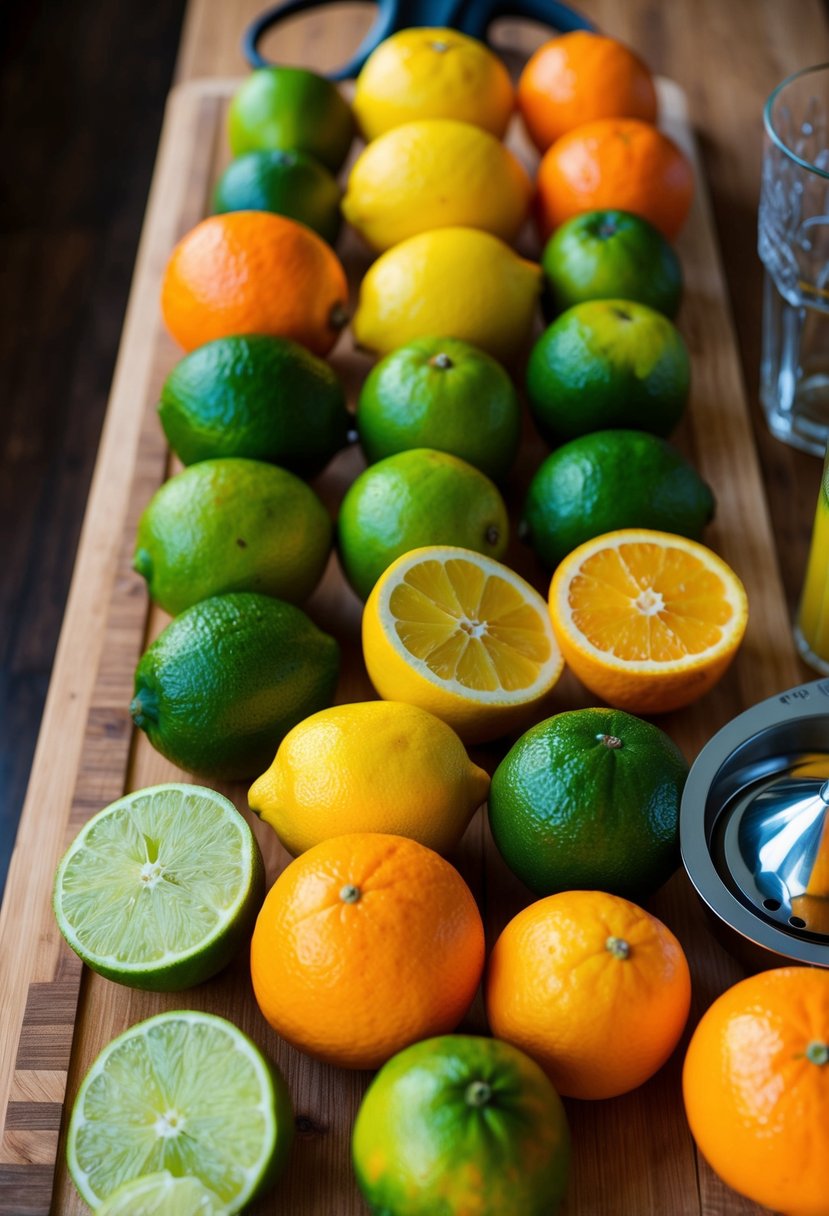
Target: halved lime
[184, 1092]
[163, 1195]
[160, 889]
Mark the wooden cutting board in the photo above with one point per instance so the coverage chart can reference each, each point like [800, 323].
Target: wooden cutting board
[633, 1156]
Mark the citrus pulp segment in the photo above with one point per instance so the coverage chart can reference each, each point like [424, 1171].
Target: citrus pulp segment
[159, 889]
[647, 620]
[162, 1194]
[461, 635]
[185, 1092]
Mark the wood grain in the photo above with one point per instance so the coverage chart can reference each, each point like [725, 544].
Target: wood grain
[634, 1156]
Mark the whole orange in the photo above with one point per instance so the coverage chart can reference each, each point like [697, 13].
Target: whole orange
[578, 77]
[615, 162]
[756, 1087]
[365, 944]
[591, 986]
[252, 272]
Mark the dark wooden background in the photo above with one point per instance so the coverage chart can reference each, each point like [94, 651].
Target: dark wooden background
[82, 89]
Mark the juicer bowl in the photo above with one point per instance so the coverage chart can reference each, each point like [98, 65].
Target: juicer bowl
[754, 830]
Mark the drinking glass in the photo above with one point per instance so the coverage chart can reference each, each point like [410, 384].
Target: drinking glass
[811, 630]
[794, 248]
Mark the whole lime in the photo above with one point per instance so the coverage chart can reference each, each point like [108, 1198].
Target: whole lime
[461, 1124]
[287, 182]
[589, 800]
[415, 498]
[258, 396]
[609, 480]
[444, 394]
[291, 108]
[610, 255]
[608, 363]
[232, 525]
[221, 686]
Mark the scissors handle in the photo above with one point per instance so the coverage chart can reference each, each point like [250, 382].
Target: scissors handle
[384, 24]
[472, 17]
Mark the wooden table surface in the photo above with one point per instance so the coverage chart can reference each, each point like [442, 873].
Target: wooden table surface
[727, 57]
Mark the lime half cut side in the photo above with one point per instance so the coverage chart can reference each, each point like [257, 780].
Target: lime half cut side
[183, 1092]
[163, 1195]
[160, 889]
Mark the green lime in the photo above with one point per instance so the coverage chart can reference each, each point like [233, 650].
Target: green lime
[589, 800]
[610, 255]
[232, 525]
[161, 888]
[163, 1195]
[609, 480]
[225, 681]
[417, 498]
[461, 1124]
[608, 363]
[185, 1093]
[292, 109]
[257, 396]
[445, 394]
[287, 182]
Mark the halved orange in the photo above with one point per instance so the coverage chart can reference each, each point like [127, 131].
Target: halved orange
[647, 620]
[463, 636]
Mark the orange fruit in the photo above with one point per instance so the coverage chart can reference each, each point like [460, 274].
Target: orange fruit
[578, 77]
[647, 620]
[593, 988]
[252, 272]
[615, 162]
[365, 944]
[756, 1087]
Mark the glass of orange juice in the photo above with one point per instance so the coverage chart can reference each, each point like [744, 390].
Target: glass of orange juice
[811, 630]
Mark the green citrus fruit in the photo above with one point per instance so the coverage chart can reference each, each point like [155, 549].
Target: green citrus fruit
[444, 394]
[291, 108]
[609, 480]
[287, 182]
[186, 1093]
[163, 1195]
[218, 690]
[160, 889]
[461, 1124]
[610, 255]
[257, 396]
[589, 800]
[608, 363]
[412, 499]
[232, 525]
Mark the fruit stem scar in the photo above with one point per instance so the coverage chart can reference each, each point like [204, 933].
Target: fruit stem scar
[618, 947]
[338, 316]
[439, 46]
[478, 1093]
[350, 894]
[492, 535]
[817, 1052]
[441, 360]
[622, 314]
[610, 740]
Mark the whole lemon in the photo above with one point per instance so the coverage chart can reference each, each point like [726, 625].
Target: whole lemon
[377, 766]
[456, 282]
[432, 73]
[436, 173]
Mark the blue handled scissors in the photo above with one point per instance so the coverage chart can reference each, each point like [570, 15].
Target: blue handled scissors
[472, 17]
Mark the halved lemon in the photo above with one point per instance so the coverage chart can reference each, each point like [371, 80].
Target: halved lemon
[647, 620]
[463, 636]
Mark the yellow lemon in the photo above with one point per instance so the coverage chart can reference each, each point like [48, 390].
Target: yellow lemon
[462, 636]
[437, 173]
[432, 73]
[377, 766]
[455, 282]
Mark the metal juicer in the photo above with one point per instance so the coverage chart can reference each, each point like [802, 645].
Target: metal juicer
[754, 830]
